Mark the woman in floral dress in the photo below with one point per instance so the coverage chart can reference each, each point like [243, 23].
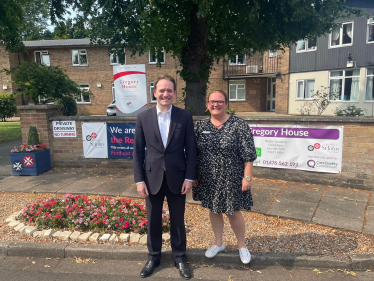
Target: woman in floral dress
[226, 153]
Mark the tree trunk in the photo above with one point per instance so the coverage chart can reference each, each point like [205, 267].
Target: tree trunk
[196, 64]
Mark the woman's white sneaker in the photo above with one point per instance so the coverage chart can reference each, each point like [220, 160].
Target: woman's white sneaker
[214, 250]
[245, 255]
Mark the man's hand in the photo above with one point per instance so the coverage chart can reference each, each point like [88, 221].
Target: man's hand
[246, 185]
[142, 189]
[186, 187]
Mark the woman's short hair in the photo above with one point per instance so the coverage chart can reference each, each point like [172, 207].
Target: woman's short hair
[218, 91]
[166, 77]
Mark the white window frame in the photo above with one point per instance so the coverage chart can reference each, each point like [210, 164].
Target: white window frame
[341, 36]
[117, 63]
[307, 49]
[304, 82]
[236, 60]
[84, 86]
[343, 84]
[79, 57]
[155, 61]
[42, 99]
[370, 23]
[43, 54]
[366, 83]
[273, 53]
[151, 95]
[242, 85]
[113, 92]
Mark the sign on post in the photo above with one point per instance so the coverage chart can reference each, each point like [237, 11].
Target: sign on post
[64, 129]
[130, 87]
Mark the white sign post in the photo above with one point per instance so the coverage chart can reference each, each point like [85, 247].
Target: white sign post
[130, 86]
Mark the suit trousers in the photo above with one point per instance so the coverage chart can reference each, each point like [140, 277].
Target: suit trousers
[176, 204]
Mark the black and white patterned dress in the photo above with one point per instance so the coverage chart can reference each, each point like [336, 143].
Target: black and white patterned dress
[220, 165]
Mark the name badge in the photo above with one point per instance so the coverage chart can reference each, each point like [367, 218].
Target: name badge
[206, 132]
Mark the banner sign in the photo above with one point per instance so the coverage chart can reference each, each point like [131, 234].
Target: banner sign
[317, 149]
[120, 137]
[64, 129]
[130, 87]
[95, 143]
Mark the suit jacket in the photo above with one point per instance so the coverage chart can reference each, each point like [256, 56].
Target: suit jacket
[177, 160]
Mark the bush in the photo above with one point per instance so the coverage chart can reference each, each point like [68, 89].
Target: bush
[70, 106]
[33, 137]
[7, 106]
[230, 111]
[349, 110]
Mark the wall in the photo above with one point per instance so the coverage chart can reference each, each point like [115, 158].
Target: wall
[358, 148]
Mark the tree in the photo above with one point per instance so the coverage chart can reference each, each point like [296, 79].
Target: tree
[35, 20]
[200, 32]
[69, 29]
[11, 21]
[7, 106]
[37, 80]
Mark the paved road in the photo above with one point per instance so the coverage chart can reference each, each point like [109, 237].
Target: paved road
[41, 269]
[5, 165]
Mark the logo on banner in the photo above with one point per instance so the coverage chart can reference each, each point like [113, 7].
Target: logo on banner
[311, 163]
[28, 161]
[258, 151]
[91, 137]
[330, 148]
[310, 147]
[130, 105]
[317, 145]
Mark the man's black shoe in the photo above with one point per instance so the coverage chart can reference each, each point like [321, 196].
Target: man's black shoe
[148, 268]
[184, 271]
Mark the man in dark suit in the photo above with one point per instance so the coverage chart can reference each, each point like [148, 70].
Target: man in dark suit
[169, 169]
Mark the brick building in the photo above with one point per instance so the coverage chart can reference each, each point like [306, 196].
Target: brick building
[254, 84]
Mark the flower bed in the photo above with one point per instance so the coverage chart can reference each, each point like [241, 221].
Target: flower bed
[26, 148]
[81, 213]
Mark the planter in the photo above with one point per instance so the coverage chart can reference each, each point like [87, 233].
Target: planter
[30, 164]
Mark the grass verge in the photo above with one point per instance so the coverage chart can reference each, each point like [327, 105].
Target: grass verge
[10, 131]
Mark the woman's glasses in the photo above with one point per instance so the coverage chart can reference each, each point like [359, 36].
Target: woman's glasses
[219, 102]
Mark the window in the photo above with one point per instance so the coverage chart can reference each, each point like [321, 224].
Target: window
[79, 57]
[306, 45]
[345, 84]
[272, 53]
[42, 57]
[305, 89]
[369, 84]
[113, 92]
[153, 57]
[114, 58]
[151, 88]
[237, 90]
[342, 35]
[83, 98]
[370, 34]
[237, 60]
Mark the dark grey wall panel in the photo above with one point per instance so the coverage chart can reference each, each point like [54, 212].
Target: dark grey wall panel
[336, 58]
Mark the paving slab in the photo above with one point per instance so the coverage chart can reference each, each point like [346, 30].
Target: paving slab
[347, 193]
[131, 192]
[369, 222]
[343, 207]
[333, 220]
[293, 209]
[262, 199]
[20, 184]
[84, 186]
[112, 187]
[302, 193]
[267, 184]
[4, 247]
[56, 183]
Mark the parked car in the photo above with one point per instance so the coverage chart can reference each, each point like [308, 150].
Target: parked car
[111, 110]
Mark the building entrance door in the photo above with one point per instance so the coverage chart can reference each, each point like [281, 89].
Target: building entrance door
[271, 93]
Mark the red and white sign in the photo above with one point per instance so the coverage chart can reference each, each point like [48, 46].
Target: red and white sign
[28, 161]
[130, 85]
[64, 129]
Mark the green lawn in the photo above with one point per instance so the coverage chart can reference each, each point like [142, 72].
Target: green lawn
[10, 131]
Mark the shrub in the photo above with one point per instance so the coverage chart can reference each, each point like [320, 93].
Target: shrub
[306, 109]
[69, 105]
[7, 106]
[349, 110]
[81, 213]
[230, 111]
[33, 137]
